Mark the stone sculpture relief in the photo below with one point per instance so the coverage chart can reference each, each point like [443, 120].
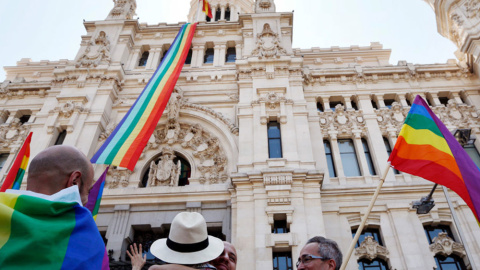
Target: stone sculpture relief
[166, 172]
[262, 6]
[371, 249]
[13, 132]
[446, 246]
[96, 53]
[342, 122]
[268, 44]
[118, 177]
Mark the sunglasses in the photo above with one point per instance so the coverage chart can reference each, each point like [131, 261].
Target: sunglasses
[308, 258]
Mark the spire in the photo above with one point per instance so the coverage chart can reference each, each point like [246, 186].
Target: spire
[123, 10]
[264, 6]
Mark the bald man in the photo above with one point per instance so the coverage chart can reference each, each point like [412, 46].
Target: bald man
[59, 178]
[60, 167]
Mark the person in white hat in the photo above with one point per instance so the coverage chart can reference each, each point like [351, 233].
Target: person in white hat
[188, 243]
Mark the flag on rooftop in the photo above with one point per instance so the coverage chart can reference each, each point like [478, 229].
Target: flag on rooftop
[125, 144]
[426, 148]
[17, 171]
[206, 8]
[95, 195]
[37, 233]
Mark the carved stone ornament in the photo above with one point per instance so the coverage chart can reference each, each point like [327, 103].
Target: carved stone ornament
[118, 177]
[123, 9]
[165, 172]
[371, 249]
[68, 108]
[445, 246]
[96, 53]
[268, 44]
[108, 130]
[341, 121]
[13, 133]
[263, 6]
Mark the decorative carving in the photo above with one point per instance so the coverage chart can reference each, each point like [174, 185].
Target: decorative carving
[446, 246]
[371, 249]
[394, 118]
[96, 53]
[345, 123]
[118, 177]
[123, 11]
[472, 9]
[13, 133]
[166, 172]
[108, 130]
[263, 6]
[268, 44]
[282, 179]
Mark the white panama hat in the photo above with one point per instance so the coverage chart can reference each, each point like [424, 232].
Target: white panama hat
[188, 241]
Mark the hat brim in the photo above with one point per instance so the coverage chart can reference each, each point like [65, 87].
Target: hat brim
[160, 250]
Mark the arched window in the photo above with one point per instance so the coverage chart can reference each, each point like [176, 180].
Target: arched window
[453, 261]
[274, 140]
[349, 158]
[227, 14]
[143, 60]
[185, 171]
[320, 107]
[218, 14]
[329, 156]
[368, 156]
[209, 54]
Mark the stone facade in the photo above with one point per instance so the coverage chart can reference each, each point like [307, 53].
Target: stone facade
[217, 124]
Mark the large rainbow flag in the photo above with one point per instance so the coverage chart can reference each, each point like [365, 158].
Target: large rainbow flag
[124, 146]
[17, 171]
[426, 148]
[39, 234]
[95, 194]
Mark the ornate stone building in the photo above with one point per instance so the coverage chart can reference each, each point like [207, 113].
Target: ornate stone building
[271, 144]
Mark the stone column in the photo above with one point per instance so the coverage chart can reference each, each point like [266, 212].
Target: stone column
[362, 159]
[134, 59]
[239, 50]
[222, 16]
[154, 58]
[118, 230]
[219, 57]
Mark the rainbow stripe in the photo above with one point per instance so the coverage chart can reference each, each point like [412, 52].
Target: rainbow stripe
[124, 146]
[95, 195]
[47, 235]
[426, 148]
[15, 175]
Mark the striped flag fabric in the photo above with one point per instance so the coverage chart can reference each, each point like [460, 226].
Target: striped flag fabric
[95, 195]
[125, 144]
[206, 8]
[17, 171]
[40, 234]
[426, 148]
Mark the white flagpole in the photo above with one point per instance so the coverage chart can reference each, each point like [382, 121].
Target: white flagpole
[364, 219]
[460, 232]
[198, 10]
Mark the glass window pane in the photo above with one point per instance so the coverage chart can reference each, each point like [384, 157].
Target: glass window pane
[188, 60]
[208, 58]
[274, 140]
[282, 261]
[389, 151]
[3, 158]
[371, 168]
[473, 153]
[349, 158]
[230, 56]
[329, 156]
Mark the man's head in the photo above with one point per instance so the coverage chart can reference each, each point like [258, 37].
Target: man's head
[59, 167]
[227, 260]
[320, 253]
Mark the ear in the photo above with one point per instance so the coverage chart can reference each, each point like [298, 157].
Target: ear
[331, 264]
[74, 179]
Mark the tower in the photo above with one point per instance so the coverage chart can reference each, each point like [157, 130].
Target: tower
[222, 10]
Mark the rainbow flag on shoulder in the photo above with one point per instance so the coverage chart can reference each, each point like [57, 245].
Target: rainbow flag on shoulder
[426, 148]
[17, 171]
[125, 144]
[39, 234]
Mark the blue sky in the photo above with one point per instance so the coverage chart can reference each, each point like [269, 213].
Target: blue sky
[51, 29]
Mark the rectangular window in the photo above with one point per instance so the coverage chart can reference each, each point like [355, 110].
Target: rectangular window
[389, 151]
[274, 140]
[368, 156]
[349, 158]
[231, 55]
[188, 60]
[282, 261]
[143, 60]
[280, 224]
[374, 232]
[208, 58]
[473, 153]
[3, 159]
[330, 163]
[61, 137]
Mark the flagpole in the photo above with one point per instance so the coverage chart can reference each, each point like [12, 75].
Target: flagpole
[460, 232]
[364, 219]
[198, 10]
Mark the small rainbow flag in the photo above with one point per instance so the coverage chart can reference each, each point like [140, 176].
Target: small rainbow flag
[124, 146]
[95, 195]
[426, 148]
[40, 234]
[206, 8]
[17, 171]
